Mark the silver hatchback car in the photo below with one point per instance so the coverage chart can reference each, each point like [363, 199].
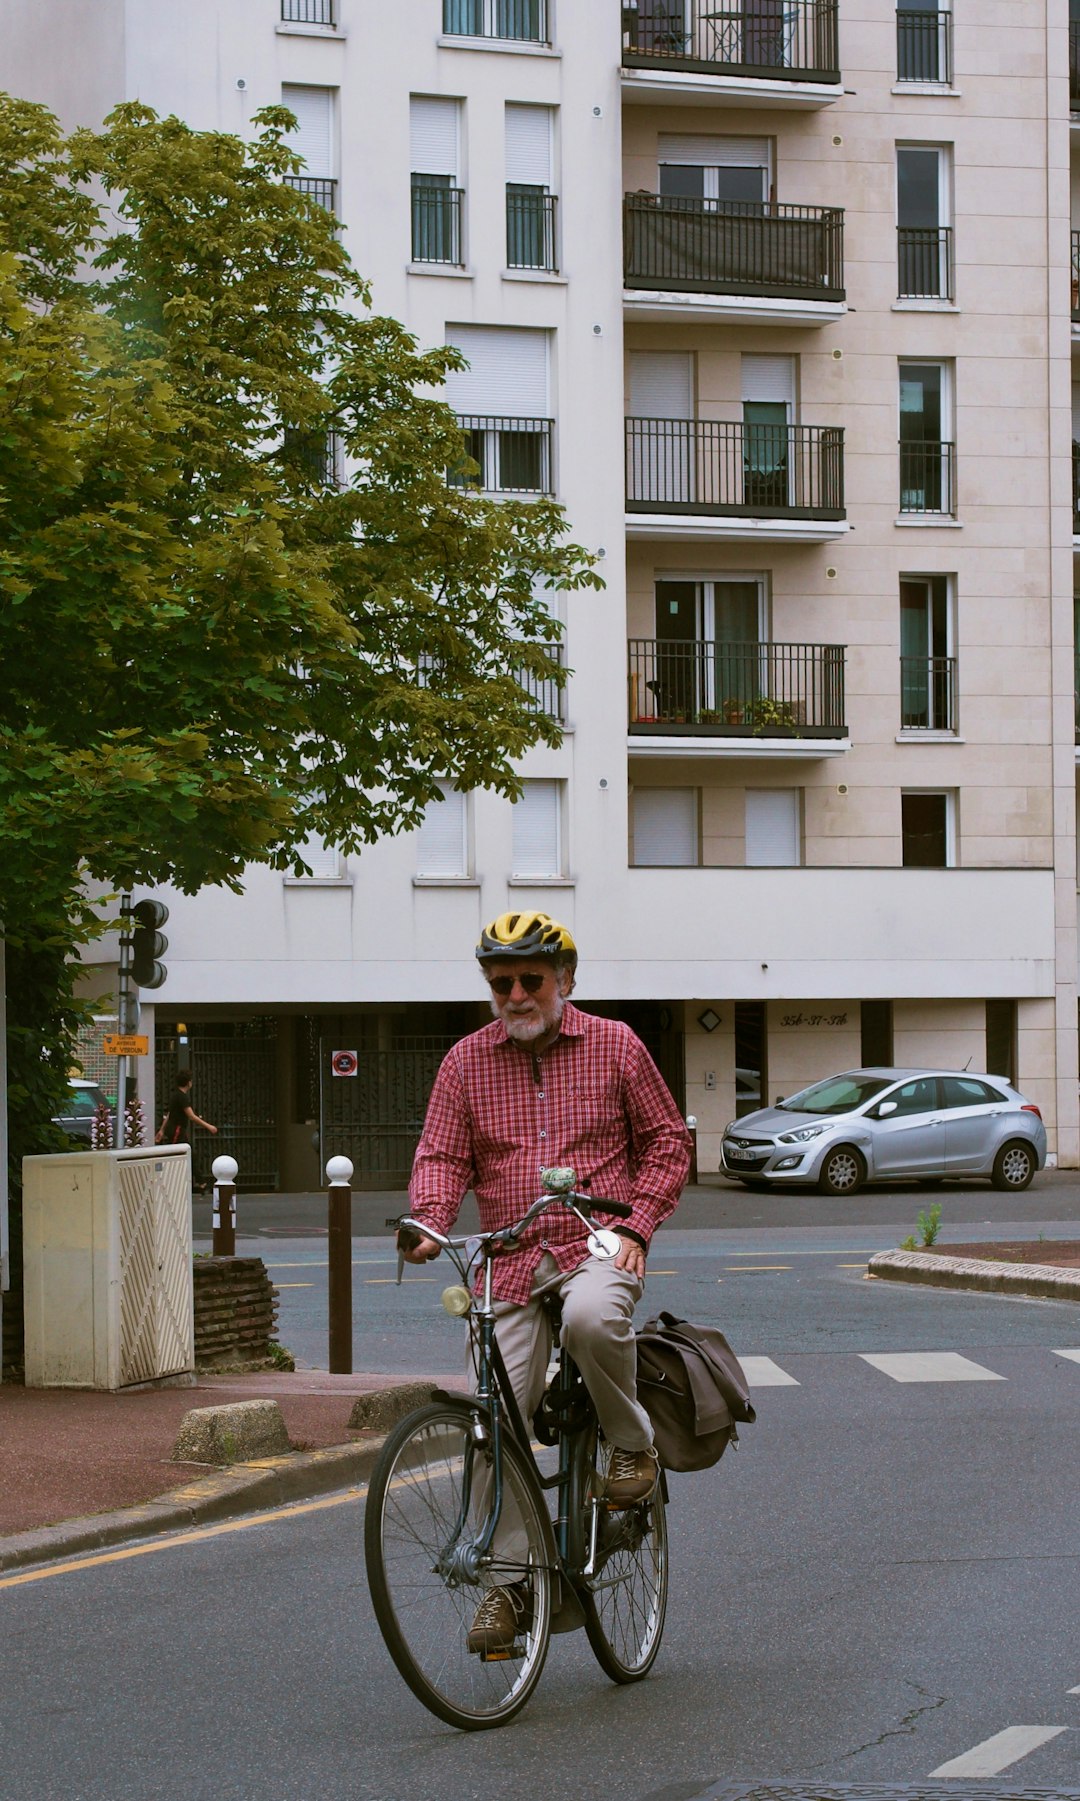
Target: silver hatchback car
[871, 1125]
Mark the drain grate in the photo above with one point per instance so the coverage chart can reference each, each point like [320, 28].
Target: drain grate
[858, 1791]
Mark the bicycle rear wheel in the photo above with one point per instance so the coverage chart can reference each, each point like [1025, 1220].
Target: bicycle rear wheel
[626, 1599]
[427, 1500]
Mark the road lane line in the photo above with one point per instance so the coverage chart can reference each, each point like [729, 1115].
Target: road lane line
[736, 1269]
[928, 1366]
[1073, 1691]
[762, 1372]
[294, 1284]
[1074, 1357]
[999, 1752]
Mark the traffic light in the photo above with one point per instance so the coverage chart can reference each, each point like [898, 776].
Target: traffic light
[148, 943]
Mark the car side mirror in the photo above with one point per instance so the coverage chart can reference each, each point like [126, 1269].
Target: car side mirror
[884, 1108]
[779, 1101]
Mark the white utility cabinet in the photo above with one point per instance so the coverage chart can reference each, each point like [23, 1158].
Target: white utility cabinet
[107, 1284]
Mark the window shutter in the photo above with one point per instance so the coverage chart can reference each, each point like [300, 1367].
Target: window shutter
[665, 827]
[324, 860]
[661, 384]
[537, 850]
[433, 136]
[528, 145]
[507, 374]
[442, 845]
[314, 139]
[769, 378]
[714, 153]
[772, 827]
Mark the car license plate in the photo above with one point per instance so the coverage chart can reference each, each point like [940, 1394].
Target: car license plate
[737, 1156]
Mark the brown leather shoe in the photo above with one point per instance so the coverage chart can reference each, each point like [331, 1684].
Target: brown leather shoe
[632, 1476]
[502, 1616]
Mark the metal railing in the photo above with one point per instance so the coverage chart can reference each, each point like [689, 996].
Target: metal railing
[928, 694]
[322, 189]
[928, 477]
[733, 247]
[524, 20]
[1075, 297]
[317, 455]
[436, 224]
[544, 690]
[530, 230]
[1076, 692]
[308, 12]
[707, 688]
[514, 456]
[1076, 488]
[925, 256]
[707, 466]
[924, 47]
[1074, 67]
[795, 40]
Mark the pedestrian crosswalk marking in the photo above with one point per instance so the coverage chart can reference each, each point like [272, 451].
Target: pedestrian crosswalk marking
[929, 1366]
[1073, 1356]
[999, 1752]
[762, 1372]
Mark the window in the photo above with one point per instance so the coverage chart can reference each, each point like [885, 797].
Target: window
[314, 140]
[720, 173]
[924, 237]
[923, 42]
[665, 826]
[927, 667]
[768, 391]
[530, 204]
[436, 196]
[968, 1091]
[1001, 1039]
[501, 400]
[537, 832]
[773, 822]
[876, 1032]
[919, 1096]
[442, 840]
[927, 830]
[927, 475]
[308, 12]
[323, 860]
[524, 20]
[703, 666]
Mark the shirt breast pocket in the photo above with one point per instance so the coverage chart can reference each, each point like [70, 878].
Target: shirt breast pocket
[592, 1110]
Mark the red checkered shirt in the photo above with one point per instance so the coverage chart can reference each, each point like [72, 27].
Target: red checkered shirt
[594, 1101]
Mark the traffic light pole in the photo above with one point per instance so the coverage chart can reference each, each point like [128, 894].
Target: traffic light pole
[126, 1012]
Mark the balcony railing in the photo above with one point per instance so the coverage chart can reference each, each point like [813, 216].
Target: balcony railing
[530, 230]
[733, 247]
[928, 694]
[436, 224]
[924, 47]
[308, 12]
[703, 688]
[1076, 488]
[928, 477]
[785, 40]
[1075, 298]
[524, 20]
[321, 189]
[925, 255]
[547, 694]
[1074, 67]
[514, 456]
[742, 470]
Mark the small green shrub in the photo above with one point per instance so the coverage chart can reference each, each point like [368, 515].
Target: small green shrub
[929, 1224]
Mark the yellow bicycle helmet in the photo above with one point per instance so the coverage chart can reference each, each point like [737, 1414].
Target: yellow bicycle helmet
[526, 935]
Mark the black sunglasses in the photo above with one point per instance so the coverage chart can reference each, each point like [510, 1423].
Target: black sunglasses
[532, 981]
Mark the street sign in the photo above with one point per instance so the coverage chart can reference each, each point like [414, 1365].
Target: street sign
[126, 1044]
[344, 1063]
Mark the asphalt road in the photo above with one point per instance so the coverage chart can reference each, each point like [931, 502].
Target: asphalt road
[879, 1582]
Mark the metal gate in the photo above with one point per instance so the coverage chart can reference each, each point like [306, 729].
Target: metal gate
[375, 1116]
[234, 1085]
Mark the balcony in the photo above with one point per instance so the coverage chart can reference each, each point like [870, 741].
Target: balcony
[1076, 491]
[928, 694]
[544, 690]
[706, 478]
[1075, 296]
[746, 699]
[928, 478]
[925, 262]
[1074, 67]
[513, 456]
[520, 21]
[698, 257]
[530, 230]
[924, 48]
[436, 223]
[319, 188]
[782, 51]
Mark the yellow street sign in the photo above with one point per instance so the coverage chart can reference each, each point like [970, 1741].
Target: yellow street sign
[130, 1044]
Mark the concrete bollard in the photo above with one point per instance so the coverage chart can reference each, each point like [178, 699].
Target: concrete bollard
[224, 1172]
[339, 1172]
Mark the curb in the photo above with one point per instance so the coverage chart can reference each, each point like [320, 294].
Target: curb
[1047, 1281]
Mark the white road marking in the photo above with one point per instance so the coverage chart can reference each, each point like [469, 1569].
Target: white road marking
[1000, 1752]
[929, 1366]
[1073, 1691]
[762, 1372]
[1074, 1357]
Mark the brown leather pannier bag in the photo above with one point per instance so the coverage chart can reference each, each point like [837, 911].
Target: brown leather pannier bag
[692, 1386]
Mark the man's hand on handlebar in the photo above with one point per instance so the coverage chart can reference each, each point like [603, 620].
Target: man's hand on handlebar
[415, 1248]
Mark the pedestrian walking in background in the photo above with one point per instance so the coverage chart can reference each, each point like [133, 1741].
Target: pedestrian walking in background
[181, 1115]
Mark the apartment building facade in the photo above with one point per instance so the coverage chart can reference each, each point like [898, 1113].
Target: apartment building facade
[775, 299]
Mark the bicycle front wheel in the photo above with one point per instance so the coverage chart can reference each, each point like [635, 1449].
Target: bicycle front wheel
[625, 1598]
[429, 1497]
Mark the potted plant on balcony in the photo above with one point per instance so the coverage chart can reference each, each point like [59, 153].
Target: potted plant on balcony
[734, 712]
[771, 715]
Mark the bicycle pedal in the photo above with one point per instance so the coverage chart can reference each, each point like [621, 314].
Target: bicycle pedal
[503, 1656]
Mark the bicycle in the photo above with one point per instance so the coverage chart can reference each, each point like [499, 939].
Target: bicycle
[457, 1469]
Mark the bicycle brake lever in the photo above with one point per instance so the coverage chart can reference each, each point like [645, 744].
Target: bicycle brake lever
[400, 1267]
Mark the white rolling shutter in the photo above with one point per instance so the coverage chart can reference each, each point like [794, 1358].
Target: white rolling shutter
[537, 846]
[772, 827]
[661, 384]
[323, 859]
[507, 374]
[314, 139]
[713, 153]
[769, 378]
[528, 145]
[433, 135]
[665, 827]
[442, 840]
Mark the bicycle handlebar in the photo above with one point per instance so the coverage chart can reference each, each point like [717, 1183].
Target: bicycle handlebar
[410, 1231]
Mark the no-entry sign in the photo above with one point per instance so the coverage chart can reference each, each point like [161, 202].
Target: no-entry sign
[343, 1063]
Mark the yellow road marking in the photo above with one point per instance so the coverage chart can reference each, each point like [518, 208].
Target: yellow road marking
[375, 1281]
[737, 1269]
[851, 1266]
[294, 1285]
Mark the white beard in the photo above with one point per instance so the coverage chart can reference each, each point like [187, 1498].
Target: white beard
[525, 1030]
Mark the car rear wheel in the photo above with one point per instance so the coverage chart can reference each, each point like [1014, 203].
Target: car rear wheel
[1014, 1166]
[843, 1171]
